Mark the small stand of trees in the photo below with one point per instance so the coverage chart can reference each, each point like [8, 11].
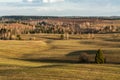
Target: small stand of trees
[99, 58]
[64, 36]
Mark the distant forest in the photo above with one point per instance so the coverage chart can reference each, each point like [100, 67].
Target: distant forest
[53, 17]
[13, 26]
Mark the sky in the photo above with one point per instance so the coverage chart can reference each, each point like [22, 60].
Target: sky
[60, 7]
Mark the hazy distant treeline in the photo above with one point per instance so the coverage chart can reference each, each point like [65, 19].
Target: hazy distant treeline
[52, 17]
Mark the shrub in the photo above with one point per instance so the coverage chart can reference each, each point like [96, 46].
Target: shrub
[30, 38]
[62, 36]
[84, 58]
[99, 58]
[18, 37]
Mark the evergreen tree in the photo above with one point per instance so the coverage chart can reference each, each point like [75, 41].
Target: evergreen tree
[99, 58]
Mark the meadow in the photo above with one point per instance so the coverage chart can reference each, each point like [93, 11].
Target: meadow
[49, 58]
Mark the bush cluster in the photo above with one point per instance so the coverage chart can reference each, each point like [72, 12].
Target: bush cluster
[84, 58]
[99, 58]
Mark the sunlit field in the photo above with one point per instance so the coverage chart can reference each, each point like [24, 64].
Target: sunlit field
[47, 57]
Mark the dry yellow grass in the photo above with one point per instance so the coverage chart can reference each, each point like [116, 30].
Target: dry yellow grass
[49, 59]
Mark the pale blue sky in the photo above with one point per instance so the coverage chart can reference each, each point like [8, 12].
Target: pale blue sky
[60, 7]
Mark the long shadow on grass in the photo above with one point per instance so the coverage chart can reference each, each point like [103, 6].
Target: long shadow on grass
[77, 53]
[72, 57]
[108, 54]
[93, 52]
[49, 60]
[102, 44]
[112, 40]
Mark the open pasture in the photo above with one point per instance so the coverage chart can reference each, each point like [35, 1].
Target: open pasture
[49, 58]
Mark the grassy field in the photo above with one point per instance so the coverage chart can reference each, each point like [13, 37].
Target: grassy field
[48, 58]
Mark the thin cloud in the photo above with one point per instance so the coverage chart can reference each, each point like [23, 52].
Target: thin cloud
[43, 1]
[52, 1]
[7, 1]
[32, 1]
[61, 7]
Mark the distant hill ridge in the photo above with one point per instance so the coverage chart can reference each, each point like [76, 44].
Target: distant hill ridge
[52, 17]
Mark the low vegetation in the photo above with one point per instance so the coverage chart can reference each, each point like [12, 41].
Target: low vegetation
[99, 58]
[59, 48]
[49, 58]
[84, 58]
[17, 25]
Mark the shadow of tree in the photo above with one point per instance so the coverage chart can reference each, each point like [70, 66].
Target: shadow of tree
[77, 53]
[49, 60]
[92, 52]
[112, 40]
[108, 54]
[72, 57]
[102, 44]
